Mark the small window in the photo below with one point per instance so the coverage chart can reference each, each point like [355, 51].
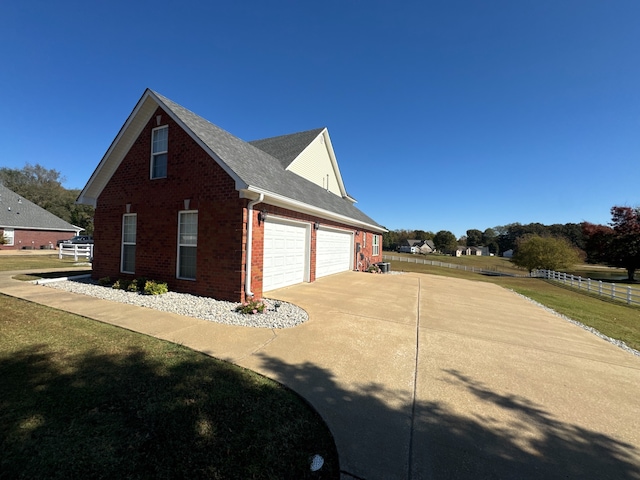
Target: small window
[129, 227]
[187, 244]
[9, 236]
[376, 245]
[364, 239]
[159, 147]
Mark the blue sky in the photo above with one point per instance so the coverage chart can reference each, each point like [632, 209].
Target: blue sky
[443, 114]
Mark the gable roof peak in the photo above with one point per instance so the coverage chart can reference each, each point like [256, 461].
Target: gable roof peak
[286, 148]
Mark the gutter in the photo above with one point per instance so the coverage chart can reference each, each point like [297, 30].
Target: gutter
[247, 275]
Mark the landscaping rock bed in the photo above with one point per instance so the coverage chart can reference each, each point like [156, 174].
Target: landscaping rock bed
[278, 314]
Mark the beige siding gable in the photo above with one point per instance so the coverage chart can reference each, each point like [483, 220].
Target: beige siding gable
[317, 164]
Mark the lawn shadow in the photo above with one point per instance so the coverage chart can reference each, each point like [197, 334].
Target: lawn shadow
[173, 414]
[371, 436]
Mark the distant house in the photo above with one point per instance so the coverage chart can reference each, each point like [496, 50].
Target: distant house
[508, 253]
[25, 225]
[427, 246]
[409, 246]
[476, 251]
[479, 251]
[180, 200]
[417, 246]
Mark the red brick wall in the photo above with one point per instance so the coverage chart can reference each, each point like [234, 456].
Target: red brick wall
[366, 257]
[35, 238]
[193, 175]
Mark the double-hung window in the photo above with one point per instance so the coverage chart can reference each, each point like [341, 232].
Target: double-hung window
[187, 244]
[376, 245]
[159, 148]
[9, 238]
[128, 263]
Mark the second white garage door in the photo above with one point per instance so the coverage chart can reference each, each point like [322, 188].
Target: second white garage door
[285, 254]
[333, 252]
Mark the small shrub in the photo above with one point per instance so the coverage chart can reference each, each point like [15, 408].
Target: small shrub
[121, 284]
[133, 286]
[151, 287]
[251, 307]
[374, 269]
[141, 282]
[104, 281]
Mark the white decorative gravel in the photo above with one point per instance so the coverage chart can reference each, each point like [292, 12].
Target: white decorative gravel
[617, 343]
[278, 314]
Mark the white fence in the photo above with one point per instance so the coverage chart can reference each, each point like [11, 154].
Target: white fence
[434, 263]
[623, 293]
[76, 250]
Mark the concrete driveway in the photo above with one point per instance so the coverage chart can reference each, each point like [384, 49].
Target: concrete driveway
[420, 376]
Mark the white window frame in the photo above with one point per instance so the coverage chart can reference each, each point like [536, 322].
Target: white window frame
[186, 245]
[10, 236]
[364, 239]
[375, 245]
[158, 153]
[127, 242]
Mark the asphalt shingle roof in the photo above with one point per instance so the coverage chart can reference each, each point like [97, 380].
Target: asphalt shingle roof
[18, 212]
[255, 167]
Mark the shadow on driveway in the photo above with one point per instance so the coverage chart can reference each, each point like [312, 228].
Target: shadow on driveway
[446, 445]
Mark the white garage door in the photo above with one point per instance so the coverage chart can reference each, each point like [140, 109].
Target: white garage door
[285, 254]
[333, 252]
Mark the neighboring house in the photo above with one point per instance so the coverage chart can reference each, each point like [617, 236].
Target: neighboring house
[417, 246]
[460, 250]
[180, 200]
[25, 225]
[409, 246]
[477, 251]
[427, 246]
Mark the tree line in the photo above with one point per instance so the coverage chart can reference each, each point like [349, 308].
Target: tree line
[498, 239]
[43, 187]
[551, 247]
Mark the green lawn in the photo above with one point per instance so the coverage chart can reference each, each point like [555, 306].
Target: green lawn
[27, 262]
[497, 264]
[81, 399]
[614, 319]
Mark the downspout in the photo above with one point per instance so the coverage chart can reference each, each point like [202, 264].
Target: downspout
[247, 275]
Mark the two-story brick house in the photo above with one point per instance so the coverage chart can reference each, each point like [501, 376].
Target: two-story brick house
[180, 200]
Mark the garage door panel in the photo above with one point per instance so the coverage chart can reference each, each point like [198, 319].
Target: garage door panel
[333, 252]
[285, 247]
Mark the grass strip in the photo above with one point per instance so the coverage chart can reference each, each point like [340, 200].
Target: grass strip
[28, 262]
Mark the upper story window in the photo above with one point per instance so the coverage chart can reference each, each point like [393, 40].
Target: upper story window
[159, 147]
